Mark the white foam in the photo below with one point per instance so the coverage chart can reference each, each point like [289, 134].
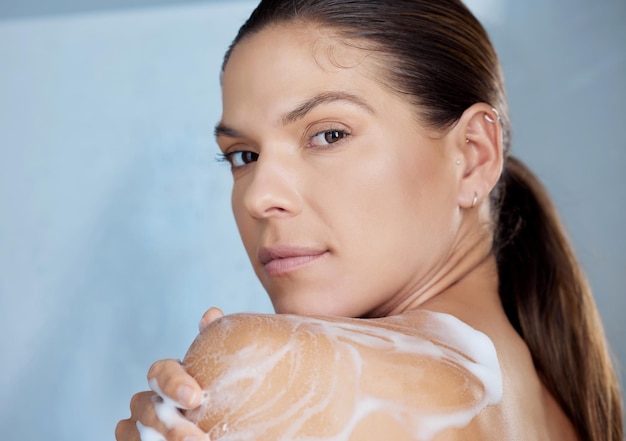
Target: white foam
[148, 433]
[168, 412]
[311, 390]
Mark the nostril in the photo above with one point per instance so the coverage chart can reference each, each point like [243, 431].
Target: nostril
[271, 199]
[270, 189]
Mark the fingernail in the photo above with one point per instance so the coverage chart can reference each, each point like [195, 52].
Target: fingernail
[187, 395]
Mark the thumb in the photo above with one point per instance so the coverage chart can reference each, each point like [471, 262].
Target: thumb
[212, 314]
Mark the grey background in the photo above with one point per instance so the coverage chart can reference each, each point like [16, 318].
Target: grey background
[115, 223]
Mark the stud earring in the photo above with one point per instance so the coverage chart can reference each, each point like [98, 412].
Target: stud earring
[458, 162]
[475, 199]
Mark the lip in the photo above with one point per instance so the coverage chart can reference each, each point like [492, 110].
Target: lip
[281, 259]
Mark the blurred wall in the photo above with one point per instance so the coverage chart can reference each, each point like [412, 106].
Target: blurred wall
[115, 224]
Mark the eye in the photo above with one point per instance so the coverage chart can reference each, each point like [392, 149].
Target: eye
[240, 158]
[327, 137]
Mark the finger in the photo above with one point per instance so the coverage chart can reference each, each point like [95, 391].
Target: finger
[129, 430]
[179, 427]
[142, 414]
[170, 380]
[153, 419]
[209, 316]
[126, 430]
[143, 410]
[149, 434]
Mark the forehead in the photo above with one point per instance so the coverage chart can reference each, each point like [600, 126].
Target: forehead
[296, 60]
[325, 46]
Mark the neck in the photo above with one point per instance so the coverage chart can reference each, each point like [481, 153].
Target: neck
[468, 278]
[475, 291]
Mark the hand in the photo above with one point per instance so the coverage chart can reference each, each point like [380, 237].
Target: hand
[156, 413]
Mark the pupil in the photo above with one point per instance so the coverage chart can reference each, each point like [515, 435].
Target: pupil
[332, 136]
[249, 157]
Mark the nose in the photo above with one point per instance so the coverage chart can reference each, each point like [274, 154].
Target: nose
[271, 189]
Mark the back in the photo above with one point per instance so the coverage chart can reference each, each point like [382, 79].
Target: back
[420, 376]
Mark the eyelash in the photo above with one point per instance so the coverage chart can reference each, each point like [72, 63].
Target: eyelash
[229, 156]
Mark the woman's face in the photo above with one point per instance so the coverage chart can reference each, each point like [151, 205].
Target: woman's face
[345, 205]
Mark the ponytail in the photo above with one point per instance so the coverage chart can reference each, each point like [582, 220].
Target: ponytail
[549, 302]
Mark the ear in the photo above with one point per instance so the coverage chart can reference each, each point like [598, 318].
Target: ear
[477, 145]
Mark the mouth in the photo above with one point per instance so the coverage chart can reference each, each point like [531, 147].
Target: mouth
[282, 259]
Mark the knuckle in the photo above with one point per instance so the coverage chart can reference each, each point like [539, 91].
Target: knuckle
[162, 370]
[135, 401]
[126, 431]
[141, 403]
[155, 369]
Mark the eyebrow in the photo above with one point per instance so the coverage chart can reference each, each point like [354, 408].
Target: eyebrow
[223, 130]
[324, 98]
[303, 109]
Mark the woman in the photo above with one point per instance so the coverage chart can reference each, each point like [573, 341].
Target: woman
[429, 288]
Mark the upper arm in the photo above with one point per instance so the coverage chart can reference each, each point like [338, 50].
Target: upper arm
[283, 377]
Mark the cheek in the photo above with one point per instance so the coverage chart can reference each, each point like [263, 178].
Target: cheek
[397, 206]
[396, 189]
[428, 207]
[242, 219]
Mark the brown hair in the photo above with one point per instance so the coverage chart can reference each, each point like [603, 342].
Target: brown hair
[443, 62]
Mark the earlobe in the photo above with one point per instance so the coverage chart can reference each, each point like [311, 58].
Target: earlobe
[478, 137]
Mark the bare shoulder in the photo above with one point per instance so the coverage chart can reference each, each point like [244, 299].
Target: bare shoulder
[423, 376]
